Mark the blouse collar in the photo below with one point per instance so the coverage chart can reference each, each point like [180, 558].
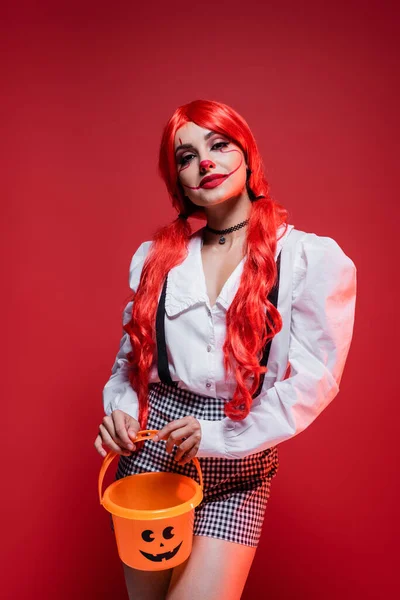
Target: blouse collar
[186, 284]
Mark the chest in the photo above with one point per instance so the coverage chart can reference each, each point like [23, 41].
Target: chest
[217, 268]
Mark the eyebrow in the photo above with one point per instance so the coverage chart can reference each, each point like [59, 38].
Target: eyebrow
[184, 146]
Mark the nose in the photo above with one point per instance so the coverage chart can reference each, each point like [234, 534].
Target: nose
[206, 164]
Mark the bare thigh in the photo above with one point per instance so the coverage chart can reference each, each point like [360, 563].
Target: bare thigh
[146, 585]
[215, 570]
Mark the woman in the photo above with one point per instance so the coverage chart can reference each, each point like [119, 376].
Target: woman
[197, 361]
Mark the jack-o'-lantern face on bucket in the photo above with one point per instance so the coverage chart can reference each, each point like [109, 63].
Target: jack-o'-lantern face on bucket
[160, 545]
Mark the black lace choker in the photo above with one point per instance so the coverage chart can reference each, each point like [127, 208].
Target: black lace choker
[221, 232]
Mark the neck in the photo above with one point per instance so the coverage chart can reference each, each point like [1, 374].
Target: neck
[228, 213]
[232, 238]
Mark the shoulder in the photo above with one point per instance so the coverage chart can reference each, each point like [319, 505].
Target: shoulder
[136, 264]
[313, 248]
[320, 261]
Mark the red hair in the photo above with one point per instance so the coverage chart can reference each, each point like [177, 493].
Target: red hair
[250, 314]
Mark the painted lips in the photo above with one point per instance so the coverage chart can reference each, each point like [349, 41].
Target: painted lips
[214, 182]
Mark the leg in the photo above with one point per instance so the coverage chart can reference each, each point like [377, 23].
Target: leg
[146, 585]
[215, 570]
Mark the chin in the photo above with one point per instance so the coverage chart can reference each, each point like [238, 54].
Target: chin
[222, 195]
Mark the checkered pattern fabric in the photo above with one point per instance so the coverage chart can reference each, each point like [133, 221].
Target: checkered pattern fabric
[236, 491]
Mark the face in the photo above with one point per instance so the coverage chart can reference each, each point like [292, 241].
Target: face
[206, 153]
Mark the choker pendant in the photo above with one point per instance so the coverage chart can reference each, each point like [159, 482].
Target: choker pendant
[221, 232]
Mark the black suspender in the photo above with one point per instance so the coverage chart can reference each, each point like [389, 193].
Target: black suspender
[162, 362]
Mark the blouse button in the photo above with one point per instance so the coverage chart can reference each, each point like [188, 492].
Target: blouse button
[208, 348]
[208, 384]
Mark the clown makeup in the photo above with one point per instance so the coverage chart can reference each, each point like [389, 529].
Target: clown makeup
[200, 153]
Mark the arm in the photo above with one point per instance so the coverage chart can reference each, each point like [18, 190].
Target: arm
[118, 392]
[321, 329]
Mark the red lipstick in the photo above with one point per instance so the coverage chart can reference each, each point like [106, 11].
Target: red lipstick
[211, 181]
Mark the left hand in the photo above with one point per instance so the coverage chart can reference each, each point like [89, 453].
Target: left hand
[185, 433]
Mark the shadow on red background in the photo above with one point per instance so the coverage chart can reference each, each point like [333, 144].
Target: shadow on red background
[87, 92]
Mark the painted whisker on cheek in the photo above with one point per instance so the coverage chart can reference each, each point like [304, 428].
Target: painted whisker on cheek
[240, 164]
[226, 176]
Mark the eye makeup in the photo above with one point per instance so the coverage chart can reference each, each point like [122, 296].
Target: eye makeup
[184, 159]
[186, 146]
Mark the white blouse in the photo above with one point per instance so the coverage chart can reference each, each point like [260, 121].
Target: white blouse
[316, 300]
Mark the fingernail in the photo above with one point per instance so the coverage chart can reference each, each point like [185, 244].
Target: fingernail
[155, 438]
[130, 446]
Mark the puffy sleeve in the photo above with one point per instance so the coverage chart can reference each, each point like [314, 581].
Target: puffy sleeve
[321, 329]
[118, 392]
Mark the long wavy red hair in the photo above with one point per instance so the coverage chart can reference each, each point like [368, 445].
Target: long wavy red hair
[251, 319]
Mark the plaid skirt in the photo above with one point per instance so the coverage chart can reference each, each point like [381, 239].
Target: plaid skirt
[236, 491]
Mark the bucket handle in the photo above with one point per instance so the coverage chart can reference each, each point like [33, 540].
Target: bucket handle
[145, 434]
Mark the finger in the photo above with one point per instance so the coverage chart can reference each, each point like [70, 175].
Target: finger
[184, 447]
[177, 436]
[166, 430]
[109, 425]
[98, 446]
[121, 429]
[187, 457]
[108, 440]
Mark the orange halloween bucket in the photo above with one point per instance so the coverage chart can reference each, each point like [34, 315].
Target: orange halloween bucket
[153, 514]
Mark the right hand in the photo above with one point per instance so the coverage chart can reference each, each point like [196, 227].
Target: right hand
[117, 432]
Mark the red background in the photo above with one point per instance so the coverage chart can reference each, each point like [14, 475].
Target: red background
[87, 90]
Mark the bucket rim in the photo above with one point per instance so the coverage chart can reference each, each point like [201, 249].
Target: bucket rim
[150, 515]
